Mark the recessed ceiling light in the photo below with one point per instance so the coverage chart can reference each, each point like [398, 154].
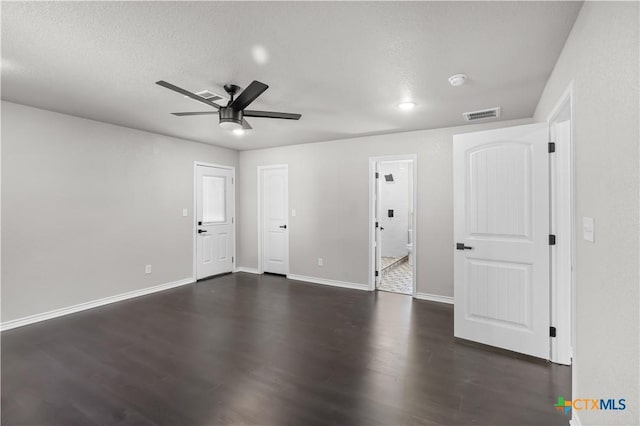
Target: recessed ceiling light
[238, 132]
[457, 80]
[406, 106]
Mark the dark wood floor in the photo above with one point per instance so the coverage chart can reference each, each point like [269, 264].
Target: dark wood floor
[263, 350]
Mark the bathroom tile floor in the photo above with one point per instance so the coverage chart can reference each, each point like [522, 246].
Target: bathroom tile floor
[388, 261]
[397, 278]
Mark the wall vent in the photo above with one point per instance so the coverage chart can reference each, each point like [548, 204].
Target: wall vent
[483, 114]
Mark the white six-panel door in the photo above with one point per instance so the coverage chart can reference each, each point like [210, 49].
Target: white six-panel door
[275, 207]
[215, 237]
[501, 232]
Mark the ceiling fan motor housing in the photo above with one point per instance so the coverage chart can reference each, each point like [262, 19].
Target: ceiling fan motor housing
[230, 118]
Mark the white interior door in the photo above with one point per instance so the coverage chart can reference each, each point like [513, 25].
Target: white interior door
[501, 231]
[215, 238]
[275, 220]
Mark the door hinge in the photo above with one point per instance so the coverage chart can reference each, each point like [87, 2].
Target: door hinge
[376, 273]
[552, 147]
[552, 331]
[233, 259]
[231, 181]
[377, 175]
[552, 240]
[232, 219]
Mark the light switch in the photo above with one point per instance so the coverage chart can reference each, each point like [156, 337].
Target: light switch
[587, 229]
[293, 212]
[185, 212]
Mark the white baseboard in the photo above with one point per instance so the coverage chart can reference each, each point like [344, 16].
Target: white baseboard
[334, 283]
[247, 270]
[8, 325]
[435, 298]
[575, 420]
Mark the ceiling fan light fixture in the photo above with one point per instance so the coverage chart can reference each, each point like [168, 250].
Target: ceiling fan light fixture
[230, 125]
[406, 106]
[230, 119]
[232, 116]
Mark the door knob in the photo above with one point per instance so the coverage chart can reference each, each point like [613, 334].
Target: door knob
[200, 231]
[283, 226]
[461, 246]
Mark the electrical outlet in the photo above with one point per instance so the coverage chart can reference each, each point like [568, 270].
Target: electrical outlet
[185, 212]
[320, 261]
[147, 269]
[293, 212]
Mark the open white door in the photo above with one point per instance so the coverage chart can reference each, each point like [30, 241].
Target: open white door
[215, 239]
[274, 203]
[501, 232]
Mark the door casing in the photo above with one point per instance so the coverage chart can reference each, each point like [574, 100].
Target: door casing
[563, 298]
[260, 218]
[372, 216]
[194, 231]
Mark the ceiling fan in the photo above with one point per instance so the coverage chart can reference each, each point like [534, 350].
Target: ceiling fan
[232, 116]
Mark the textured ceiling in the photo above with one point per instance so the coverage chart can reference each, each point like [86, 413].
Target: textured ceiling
[343, 66]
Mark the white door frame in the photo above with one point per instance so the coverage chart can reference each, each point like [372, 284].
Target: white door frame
[372, 216]
[193, 212]
[562, 305]
[260, 218]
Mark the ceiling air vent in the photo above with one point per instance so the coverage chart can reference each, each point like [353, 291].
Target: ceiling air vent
[481, 115]
[209, 95]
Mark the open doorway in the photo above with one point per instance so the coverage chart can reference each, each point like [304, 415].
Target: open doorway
[514, 222]
[393, 212]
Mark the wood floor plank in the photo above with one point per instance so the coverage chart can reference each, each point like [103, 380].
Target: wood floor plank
[249, 349]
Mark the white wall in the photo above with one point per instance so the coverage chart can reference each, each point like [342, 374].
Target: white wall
[395, 195]
[328, 187]
[86, 205]
[601, 57]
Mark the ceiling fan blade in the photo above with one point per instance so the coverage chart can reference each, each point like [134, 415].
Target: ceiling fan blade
[248, 95]
[187, 93]
[246, 125]
[272, 114]
[183, 114]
